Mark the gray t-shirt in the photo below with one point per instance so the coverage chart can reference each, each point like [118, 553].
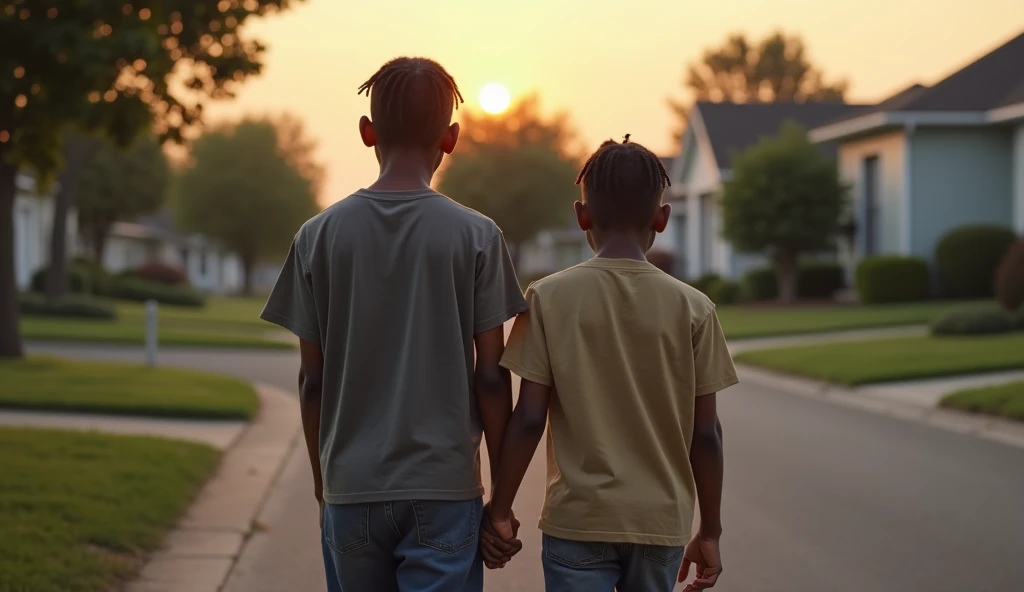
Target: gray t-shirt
[394, 285]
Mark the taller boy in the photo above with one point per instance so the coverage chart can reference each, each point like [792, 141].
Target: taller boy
[389, 290]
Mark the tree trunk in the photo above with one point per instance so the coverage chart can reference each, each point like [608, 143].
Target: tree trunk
[98, 234]
[77, 153]
[787, 270]
[248, 263]
[10, 333]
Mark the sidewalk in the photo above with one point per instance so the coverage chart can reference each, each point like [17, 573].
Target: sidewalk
[737, 346]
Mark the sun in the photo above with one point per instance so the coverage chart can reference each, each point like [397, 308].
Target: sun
[494, 98]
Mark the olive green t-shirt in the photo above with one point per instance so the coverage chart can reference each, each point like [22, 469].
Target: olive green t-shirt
[393, 285]
[627, 349]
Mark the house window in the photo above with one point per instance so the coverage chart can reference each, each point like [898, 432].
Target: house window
[870, 206]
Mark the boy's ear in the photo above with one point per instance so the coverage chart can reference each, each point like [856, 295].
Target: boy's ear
[367, 132]
[661, 218]
[450, 138]
[583, 218]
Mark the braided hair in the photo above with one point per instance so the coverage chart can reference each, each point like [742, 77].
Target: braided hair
[623, 183]
[411, 101]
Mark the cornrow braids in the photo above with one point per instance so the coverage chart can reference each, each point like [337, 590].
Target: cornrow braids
[623, 183]
[411, 101]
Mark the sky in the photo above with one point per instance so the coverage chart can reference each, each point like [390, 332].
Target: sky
[611, 64]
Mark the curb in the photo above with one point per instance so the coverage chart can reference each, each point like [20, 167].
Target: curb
[981, 426]
[198, 555]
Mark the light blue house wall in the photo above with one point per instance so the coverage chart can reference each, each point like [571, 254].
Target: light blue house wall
[959, 176]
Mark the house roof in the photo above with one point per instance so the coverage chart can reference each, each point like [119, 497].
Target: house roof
[733, 127]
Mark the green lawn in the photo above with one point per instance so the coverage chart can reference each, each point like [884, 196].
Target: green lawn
[132, 331]
[740, 322]
[123, 389]
[864, 362]
[1006, 400]
[236, 312]
[79, 511]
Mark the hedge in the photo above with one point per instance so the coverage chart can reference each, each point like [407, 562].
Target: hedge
[760, 284]
[80, 306]
[888, 278]
[975, 320]
[141, 290]
[1010, 279]
[815, 280]
[725, 292]
[79, 281]
[704, 282]
[966, 259]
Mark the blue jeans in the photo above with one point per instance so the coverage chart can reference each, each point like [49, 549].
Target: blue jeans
[405, 546]
[575, 566]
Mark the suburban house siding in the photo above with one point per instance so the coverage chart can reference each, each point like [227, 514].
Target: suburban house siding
[890, 188]
[960, 176]
[1018, 179]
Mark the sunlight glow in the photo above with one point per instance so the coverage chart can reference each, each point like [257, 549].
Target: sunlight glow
[494, 98]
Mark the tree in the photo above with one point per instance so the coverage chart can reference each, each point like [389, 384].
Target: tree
[516, 168]
[241, 188]
[106, 66]
[784, 199]
[776, 69]
[120, 184]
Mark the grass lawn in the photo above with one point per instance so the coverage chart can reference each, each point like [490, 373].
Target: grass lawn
[1006, 400]
[122, 389]
[740, 322]
[133, 331]
[886, 360]
[79, 511]
[236, 312]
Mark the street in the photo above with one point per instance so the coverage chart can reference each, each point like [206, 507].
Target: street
[818, 498]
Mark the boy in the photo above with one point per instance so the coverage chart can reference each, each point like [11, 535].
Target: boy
[389, 291]
[630, 360]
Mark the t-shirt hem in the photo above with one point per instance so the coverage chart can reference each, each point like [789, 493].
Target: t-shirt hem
[527, 374]
[598, 536]
[500, 318]
[714, 387]
[290, 324]
[404, 494]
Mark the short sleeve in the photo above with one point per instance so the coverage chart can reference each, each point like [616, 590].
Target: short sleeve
[291, 304]
[712, 362]
[526, 352]
[497, 296]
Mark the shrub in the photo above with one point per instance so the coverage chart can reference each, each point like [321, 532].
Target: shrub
[820, 280]
[974, 320]
[1010, 279]
[128, 288]
[966, 259]
[892, 279]
[663, 260]
[80, 306]
[704, 282]
[760, 284]
[99, 278]
[725, 292]
[78, 280]
[160, 273]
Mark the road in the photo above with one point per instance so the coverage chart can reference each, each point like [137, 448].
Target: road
[818, 498]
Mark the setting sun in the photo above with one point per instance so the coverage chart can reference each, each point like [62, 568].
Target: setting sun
[494, 98]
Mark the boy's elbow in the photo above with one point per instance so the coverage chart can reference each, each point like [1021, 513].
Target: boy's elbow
[708, 437]
[491, 382]
[531, 421]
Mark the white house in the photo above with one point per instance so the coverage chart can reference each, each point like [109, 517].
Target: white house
[33, 218]
[930, 159]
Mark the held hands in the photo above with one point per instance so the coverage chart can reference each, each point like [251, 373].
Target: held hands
[498, 542]
[703, 552]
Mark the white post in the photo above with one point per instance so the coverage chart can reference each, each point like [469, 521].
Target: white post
[151, 332]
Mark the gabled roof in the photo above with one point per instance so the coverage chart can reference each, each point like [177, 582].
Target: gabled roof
[733, 127]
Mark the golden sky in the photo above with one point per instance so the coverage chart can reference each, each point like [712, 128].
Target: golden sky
[610, 63]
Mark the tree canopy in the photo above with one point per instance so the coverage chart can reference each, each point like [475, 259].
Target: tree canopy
[517, 168]
[784, 199]
[241, 188]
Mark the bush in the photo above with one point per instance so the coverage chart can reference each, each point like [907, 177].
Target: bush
[139, 290]
[760, 284]
[966, 259]
[704, 282]
[725, 292]
[974, 320]
[100, 280]
[892, 279]
[159, 273]
[820, 280]
[78, 280]
[1010, 279]
[663, 260]
[80, 306]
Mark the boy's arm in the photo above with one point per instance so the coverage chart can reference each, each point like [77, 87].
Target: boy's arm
[311, 381]
[521, 439]
[708, 461]
[492, 385]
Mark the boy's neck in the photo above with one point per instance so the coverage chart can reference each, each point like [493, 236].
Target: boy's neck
[618, 245]
[403, 170]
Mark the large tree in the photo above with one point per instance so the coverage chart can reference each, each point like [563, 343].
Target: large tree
[243, 189]
[776, 68]
[120, 184]
[784, 199]
[518, 168]
[119, 67]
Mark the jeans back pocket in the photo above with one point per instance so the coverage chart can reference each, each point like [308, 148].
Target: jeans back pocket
[447, 526]
[346, 526]
[573, 554]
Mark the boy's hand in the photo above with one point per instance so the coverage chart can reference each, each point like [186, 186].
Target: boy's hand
[704, 553]
[497, 547]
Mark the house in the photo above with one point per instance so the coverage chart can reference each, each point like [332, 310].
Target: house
[715, 132]
[33, 218]
[932, 158]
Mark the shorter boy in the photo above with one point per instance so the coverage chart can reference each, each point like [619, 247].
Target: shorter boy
[624, 361]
